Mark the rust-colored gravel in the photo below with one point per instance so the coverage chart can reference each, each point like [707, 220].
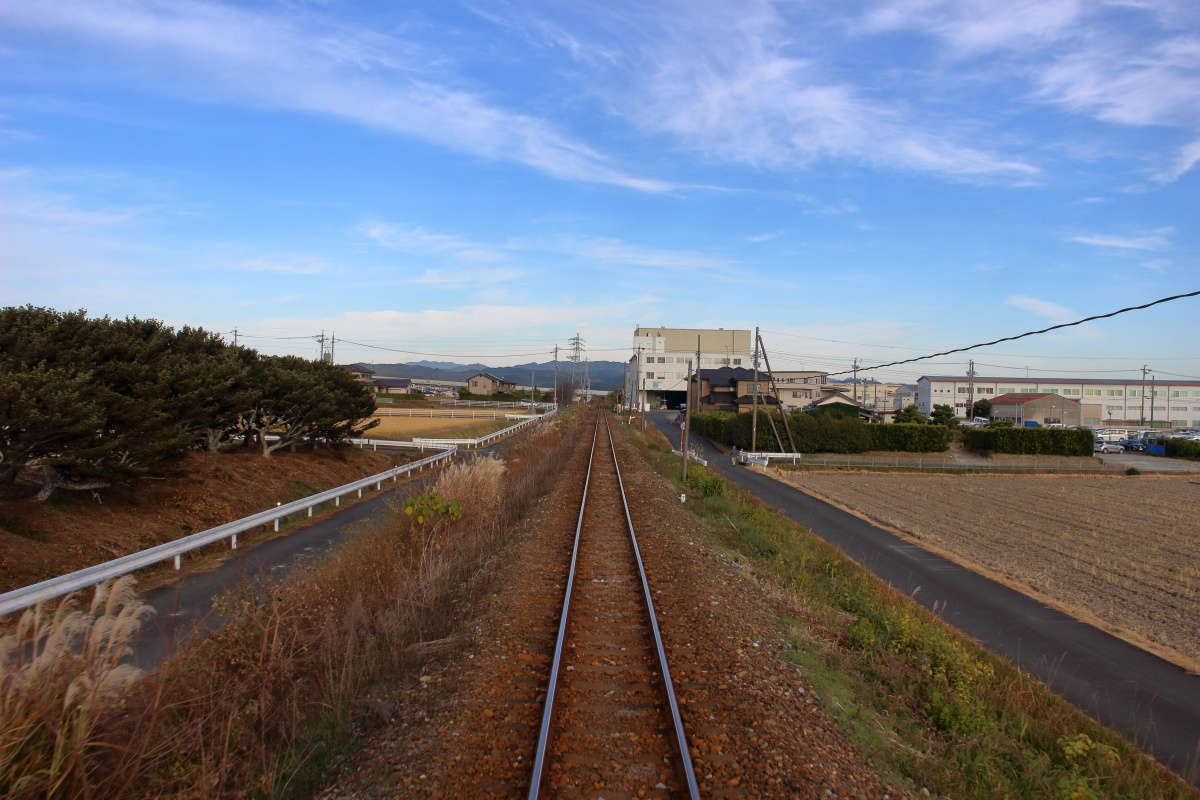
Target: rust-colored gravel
[468, 726]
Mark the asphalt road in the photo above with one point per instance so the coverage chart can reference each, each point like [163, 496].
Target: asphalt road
[1152, 701]
[1150, 463]
[185, 607]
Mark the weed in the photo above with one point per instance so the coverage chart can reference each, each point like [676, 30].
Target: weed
[1133, 471]
[20, 527]
[982, 728]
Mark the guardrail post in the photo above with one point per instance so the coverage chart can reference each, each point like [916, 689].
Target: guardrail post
[360, 491]
[277, 519]
[378, 485]
[233, 542]
[178, 562]
[310, 508]
[337, 501]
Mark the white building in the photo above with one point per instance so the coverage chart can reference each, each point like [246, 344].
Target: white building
[658, 371]
[1173, 404]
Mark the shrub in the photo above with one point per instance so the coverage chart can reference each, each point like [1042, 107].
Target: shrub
[1031, 441]
[910, 437]
[819, 433]
[1183, 448]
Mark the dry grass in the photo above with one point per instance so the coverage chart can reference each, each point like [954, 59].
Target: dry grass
[1122, 549]
[255, 709]
[402, 428]
[60, 674]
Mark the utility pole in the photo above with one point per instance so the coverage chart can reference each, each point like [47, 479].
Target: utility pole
[971, 389]
[532, 387]
[754, 405]
[684, 442]
[1153, 386]
[697, 397]
[854, 385]
[235, 337]
[321, 341]
[556, 376]
[1142, 420]
[332, 343]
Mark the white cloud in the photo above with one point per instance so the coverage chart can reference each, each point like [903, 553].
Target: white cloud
[459, 279]
[977, 25]
[1155, 266]
[764, 237]
[1042, 308]
[301, 267]
[1158, 239]
[309, 63]
[1187, 158]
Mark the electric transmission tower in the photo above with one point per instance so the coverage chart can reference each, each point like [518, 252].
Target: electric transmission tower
[578, 360]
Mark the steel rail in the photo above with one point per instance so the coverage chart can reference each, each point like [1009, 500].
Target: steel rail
[539, 758]
[685, 755]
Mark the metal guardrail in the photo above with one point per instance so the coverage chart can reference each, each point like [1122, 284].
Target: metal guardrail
[22, 598]
[692, 456]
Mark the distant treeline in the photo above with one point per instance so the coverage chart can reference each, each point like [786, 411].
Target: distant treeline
[85, 403]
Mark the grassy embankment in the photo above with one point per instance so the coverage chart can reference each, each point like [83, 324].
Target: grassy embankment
[75, 530]
[264, 706]
[921, 699]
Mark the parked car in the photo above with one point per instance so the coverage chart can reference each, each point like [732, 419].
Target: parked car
[1108, 447]
[1133, 445]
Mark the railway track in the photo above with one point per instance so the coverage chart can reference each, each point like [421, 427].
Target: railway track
[610, 723]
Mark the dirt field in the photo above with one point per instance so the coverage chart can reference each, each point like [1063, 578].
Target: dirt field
[401, 428]
[1124, 549]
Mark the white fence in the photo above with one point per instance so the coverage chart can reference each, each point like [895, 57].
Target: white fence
[484, 441]
[494, 404]
[444, 413]
[19, 599]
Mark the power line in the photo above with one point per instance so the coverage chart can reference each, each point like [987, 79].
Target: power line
[1030, 333]
[445, 355]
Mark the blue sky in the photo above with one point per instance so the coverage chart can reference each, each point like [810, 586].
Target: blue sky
[482, 179]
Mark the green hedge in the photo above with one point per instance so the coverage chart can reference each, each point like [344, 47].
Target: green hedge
[1031, 441]
[910, 437]
[1183, 448]
[819, 433]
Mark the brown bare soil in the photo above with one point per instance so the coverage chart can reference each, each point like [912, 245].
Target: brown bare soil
[76, 530]
[468, 725]
[1123, 552]
[402, 428]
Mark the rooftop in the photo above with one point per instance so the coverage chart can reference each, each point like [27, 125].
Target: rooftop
[1036, 380]
[1019, 398]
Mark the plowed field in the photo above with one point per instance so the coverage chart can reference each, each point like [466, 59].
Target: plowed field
[1125, 550]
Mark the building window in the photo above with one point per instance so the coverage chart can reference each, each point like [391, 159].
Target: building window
[1135, 393]
[1092, 392]
[1114, 392]
[1028, 390]
[962, 389]
[737, 361]
[650, 375]
[985, 390]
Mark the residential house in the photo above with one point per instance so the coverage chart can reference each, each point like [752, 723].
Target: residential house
[361, 372]
[486, 383]
[393, 386]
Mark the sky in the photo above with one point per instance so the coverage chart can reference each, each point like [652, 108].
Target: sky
[480, 180]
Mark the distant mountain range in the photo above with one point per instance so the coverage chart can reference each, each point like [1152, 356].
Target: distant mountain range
[604, 374]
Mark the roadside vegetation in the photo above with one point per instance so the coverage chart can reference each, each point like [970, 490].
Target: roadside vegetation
[818, 433]
[405, 428]
[262, 706]
[89, 403]
[922, 700]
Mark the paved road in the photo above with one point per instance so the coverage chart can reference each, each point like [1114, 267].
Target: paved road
[1152, 701]
[1151, 463]
[184, 608]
